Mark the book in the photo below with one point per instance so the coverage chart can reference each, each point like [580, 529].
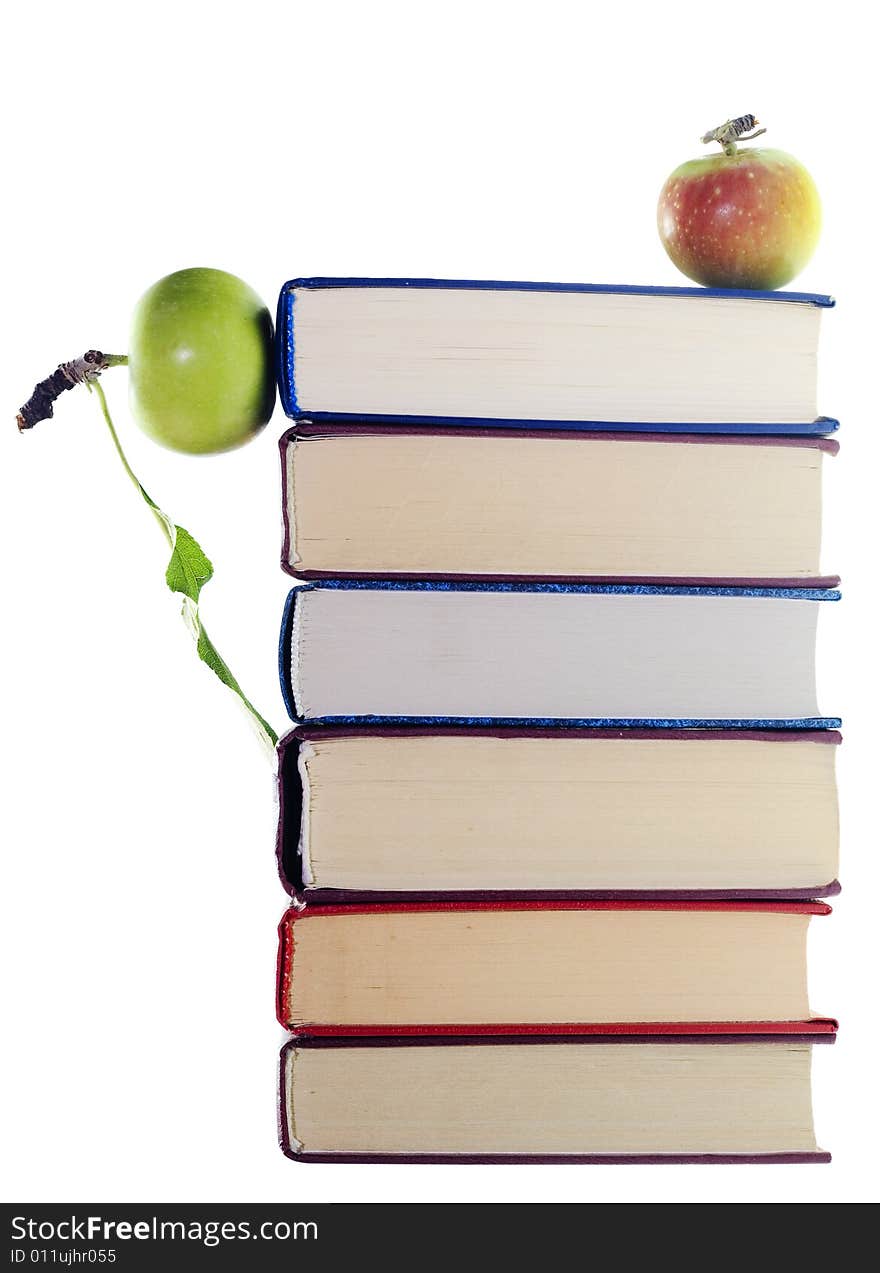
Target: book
[598, 1099]
[397, 813]
[645, 656]
[559, 801]
[549, 354]
[546, 967]
[404, 502]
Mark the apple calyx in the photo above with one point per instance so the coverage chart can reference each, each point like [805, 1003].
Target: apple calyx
[743, 128]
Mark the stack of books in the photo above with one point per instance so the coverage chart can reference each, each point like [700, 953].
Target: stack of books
[559, 803]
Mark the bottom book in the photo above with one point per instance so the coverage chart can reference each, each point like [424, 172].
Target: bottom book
[619, 1099]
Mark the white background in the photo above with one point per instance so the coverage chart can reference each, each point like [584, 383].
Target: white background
[280, 139]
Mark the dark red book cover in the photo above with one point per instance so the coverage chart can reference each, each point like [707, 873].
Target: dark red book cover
[804, 1032]
[308, 430]
[290, 809]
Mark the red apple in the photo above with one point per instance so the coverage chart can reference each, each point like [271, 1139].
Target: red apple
[746, 219]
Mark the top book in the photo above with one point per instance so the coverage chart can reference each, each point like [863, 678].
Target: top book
[552, 355]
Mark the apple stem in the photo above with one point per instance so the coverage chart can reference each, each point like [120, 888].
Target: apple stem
[743, 128]
[81, 371]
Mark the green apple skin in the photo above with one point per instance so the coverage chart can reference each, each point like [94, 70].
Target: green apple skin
[748, 220]
[200, 362]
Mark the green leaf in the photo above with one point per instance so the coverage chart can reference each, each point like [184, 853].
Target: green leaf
[209, 654]
[189, 569]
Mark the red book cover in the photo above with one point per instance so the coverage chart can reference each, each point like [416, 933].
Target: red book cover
[286, 972]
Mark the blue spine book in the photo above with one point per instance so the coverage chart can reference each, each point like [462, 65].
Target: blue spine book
[320, 402]
[723, 634]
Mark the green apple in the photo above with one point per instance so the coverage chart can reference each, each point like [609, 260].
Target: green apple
[200, 362]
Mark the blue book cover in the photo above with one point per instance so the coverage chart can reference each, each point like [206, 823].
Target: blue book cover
[749, 645]
[306, 403]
